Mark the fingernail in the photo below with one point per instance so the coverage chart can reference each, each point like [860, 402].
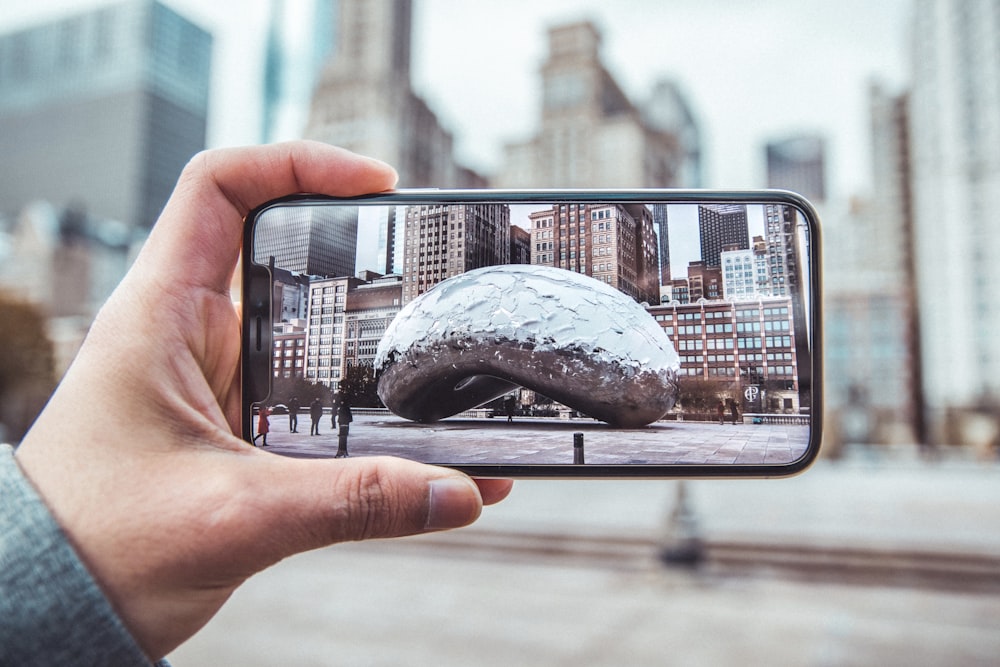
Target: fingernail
[453, 502]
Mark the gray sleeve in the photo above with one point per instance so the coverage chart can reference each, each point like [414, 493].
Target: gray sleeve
[51, 609]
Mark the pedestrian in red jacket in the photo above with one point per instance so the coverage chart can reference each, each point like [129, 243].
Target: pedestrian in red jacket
[263, 425]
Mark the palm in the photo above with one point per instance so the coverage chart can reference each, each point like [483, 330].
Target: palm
[137, 453]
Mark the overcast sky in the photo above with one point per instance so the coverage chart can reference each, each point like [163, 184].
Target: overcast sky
[751, 70]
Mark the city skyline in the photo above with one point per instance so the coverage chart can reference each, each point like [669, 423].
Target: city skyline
[858, 42]
[684, 245]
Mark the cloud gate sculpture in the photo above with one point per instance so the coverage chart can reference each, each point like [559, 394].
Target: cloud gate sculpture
[576, 340]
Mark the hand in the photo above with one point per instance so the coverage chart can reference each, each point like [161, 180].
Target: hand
[136, 455]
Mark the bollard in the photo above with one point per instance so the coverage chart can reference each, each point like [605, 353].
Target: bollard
[342, 442]
[578, 449]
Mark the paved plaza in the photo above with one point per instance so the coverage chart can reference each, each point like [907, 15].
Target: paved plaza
[566, 573]
[546, 441]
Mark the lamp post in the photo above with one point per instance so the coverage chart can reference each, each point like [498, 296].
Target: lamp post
[681, 544]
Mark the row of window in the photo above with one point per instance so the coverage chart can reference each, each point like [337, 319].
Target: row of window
[323, 374]
[729, 371]
[726, 327]
[752, 313]
[329, 319]
[747, 343]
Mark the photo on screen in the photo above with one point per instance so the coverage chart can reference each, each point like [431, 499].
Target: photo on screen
[571, 332]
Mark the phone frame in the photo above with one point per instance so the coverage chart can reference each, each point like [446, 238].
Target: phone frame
[256, 357]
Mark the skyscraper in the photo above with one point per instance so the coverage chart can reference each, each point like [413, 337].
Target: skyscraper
[662, 224]
[798, 164]
[314, 240]
[721, 225]
[324, 340]
[442, 241]
[788, 256]
[614, 243]
[102, 110]
[955, 134]
[591, 134]
[781, 230]
[388, 242]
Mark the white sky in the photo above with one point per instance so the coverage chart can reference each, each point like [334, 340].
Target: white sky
[752, 70]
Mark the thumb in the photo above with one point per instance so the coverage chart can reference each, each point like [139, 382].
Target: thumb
[309, 504]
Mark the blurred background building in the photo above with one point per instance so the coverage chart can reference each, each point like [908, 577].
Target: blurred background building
[668, 110]
[364, 100]
[798, 163]
[298, 45]
[102, 110]
[99, 113]
[591, 134]
[871, 322]
[955, 150]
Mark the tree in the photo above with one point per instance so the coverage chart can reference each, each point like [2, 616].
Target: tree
[696, 395]
[360, 387]
[27, 366]
[283, 389]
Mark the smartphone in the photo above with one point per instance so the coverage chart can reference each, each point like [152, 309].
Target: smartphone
[576, 333]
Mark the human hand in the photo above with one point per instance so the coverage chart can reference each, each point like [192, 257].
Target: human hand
[136, 455]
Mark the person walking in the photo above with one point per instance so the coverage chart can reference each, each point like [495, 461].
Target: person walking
[720, 410]
[734, 411]
[509, 405]
[334, 407]
[345, 417]
[263, 425]
[293, 414]
[315, 412]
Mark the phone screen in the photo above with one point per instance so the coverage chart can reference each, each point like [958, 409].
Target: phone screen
[579, 333]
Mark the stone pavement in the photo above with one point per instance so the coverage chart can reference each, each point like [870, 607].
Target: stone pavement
[548, 441]
[374, 605]
[526, 585]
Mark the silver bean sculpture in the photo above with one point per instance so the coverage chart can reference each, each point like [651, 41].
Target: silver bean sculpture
[478, 335]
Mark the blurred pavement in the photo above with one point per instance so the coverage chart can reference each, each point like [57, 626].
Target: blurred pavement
[880, 558]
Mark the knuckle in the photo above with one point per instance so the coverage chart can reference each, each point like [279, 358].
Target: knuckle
[199, 163]
[371, 507]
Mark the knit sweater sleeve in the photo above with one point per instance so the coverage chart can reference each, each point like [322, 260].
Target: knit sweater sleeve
[52, 611]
